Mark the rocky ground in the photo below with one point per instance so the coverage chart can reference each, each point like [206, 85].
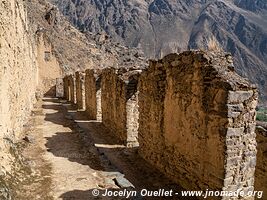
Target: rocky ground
[67, 157]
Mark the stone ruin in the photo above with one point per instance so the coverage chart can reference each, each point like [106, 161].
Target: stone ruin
[120, 104]
[70, 88]
[93, 95]
[80, 90]
[191, 115]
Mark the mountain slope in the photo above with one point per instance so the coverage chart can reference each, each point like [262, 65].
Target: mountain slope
[75, 50]
[159, 27]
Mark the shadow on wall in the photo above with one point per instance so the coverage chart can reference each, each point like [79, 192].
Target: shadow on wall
[96, 147]
[51, 92]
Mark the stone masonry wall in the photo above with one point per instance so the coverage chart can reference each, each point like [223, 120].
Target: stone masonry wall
[113, 103]
[119, 104]
[49, 69]
[66, 88]
[98, 99]
[59, 88]
[132, 108]
[197, 121]
[18, 76]
[93, 95]
[192, 115]
[80, 96]
[72, 89]
[261, 167]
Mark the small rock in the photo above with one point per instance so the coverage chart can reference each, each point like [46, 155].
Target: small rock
[28, 139]
[123, 182]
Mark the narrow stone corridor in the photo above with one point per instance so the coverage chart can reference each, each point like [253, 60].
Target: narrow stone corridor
[71, 157]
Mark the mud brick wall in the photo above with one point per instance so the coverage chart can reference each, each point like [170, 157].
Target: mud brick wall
[120, 104]
[197, 121]
[261, 166]
[93, 95]
[59, 88]
[80, 90]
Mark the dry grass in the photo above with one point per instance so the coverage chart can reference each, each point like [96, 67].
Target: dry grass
[213, 45]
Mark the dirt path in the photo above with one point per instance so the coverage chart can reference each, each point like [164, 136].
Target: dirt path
[70, 157]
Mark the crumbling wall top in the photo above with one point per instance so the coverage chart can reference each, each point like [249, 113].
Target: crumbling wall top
[218, 66]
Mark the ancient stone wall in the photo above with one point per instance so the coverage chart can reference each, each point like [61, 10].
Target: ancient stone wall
[261, 166]
[93, 95]
[119, 104]
[66, 88]
[113, 103]
[80, 90]
[18, 75]
[72, 89]
[59, 88]
[132, 108]
[49, 69]
[197, 121]
[192, 115]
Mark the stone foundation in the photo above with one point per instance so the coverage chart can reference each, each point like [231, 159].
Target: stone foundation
[80, 90]
[93, 95]
[197, 121]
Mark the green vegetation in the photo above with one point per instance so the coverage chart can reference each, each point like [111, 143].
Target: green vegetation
[262, 114]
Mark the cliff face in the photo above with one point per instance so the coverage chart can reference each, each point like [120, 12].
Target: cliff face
[159, 27]
[18, 75]
[252, 5]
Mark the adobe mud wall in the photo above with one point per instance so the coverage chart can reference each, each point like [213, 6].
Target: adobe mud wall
[261, 166]
[197, 121]
[18, 76]
[93, 95]
[119, 98]
[80, 90]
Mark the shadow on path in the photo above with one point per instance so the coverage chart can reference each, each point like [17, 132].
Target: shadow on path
[90, 143]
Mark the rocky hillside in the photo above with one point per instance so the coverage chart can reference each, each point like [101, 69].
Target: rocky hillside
[159, 27]
[75, 50]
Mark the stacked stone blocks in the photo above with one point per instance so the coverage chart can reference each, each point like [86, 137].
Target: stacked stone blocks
[93, 95]
[80, 90]
[192, 116]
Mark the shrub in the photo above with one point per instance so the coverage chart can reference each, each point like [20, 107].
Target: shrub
[261, 117]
